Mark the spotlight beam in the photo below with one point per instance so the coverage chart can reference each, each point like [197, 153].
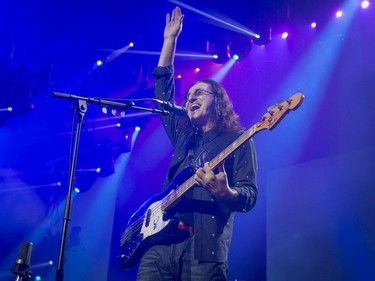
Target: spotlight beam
[9, 109]
[187, 55]
[42, 264]
[11, 188]
[230, 25]
[116, 53]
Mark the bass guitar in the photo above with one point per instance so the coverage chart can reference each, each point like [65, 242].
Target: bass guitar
[150, 223]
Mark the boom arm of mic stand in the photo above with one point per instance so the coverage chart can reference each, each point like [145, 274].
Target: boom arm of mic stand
[104, 102]
[101, 102]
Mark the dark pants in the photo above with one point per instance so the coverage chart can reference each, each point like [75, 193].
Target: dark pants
[175, 262]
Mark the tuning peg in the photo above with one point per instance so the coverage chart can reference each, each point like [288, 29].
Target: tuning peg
[270, 109]
[280, 104]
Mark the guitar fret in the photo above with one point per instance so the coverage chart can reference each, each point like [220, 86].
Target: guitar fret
[232, 147]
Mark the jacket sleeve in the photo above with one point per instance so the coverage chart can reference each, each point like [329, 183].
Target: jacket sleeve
[242, 177]
[165, 91]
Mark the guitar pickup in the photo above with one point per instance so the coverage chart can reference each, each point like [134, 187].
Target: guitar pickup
[148, 218]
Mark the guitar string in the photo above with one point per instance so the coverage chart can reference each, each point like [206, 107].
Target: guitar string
[158, 207]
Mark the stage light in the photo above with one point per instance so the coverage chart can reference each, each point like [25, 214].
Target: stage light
[123, 124]
[84, 181]
[284, 35]
[225, 47]
[365, 4]
[264, 31]
[131, 44]
[313, 24]
[137, 128]
[38, 278]
[6, 109]
[217, 46]
[239, 47]
[339, 14]
[17, 87]
[197, 70]
[99, 63]
[220, 51]
[125, 144]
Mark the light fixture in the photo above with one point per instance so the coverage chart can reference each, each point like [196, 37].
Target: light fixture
[284, 35]
[265, 33]
[229, 46]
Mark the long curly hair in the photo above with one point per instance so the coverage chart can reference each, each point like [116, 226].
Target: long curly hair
[225, 118]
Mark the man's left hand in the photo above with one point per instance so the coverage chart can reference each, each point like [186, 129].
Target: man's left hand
[216, 184]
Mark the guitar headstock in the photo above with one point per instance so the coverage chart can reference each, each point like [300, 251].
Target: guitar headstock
[276, 113]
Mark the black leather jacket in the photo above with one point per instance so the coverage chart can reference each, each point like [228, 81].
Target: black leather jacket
[211, 218]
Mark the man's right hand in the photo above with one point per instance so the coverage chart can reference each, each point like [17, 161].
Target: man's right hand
[173, 24]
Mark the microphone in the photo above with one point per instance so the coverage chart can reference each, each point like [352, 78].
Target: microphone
[172, 107]
[23, 261]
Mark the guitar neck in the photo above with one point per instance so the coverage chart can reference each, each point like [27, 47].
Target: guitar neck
[177, 193]
[233, 146]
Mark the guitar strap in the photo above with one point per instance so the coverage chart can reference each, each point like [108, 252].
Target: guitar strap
[206, 152]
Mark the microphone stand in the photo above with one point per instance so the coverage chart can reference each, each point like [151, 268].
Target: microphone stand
[81, 106]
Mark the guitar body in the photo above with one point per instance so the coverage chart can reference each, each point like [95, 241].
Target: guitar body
[150, 224]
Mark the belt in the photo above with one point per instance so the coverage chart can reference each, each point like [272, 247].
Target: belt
[181, 225]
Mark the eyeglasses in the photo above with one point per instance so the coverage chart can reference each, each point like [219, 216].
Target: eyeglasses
[198, 93]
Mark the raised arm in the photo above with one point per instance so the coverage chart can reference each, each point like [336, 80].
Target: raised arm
[173, 28]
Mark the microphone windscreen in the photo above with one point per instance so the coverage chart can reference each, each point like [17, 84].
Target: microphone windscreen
[24, 255]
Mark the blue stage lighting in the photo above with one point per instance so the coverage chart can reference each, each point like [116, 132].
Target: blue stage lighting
[365, 4]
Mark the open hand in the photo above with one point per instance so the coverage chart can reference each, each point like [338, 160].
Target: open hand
[173, 23]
